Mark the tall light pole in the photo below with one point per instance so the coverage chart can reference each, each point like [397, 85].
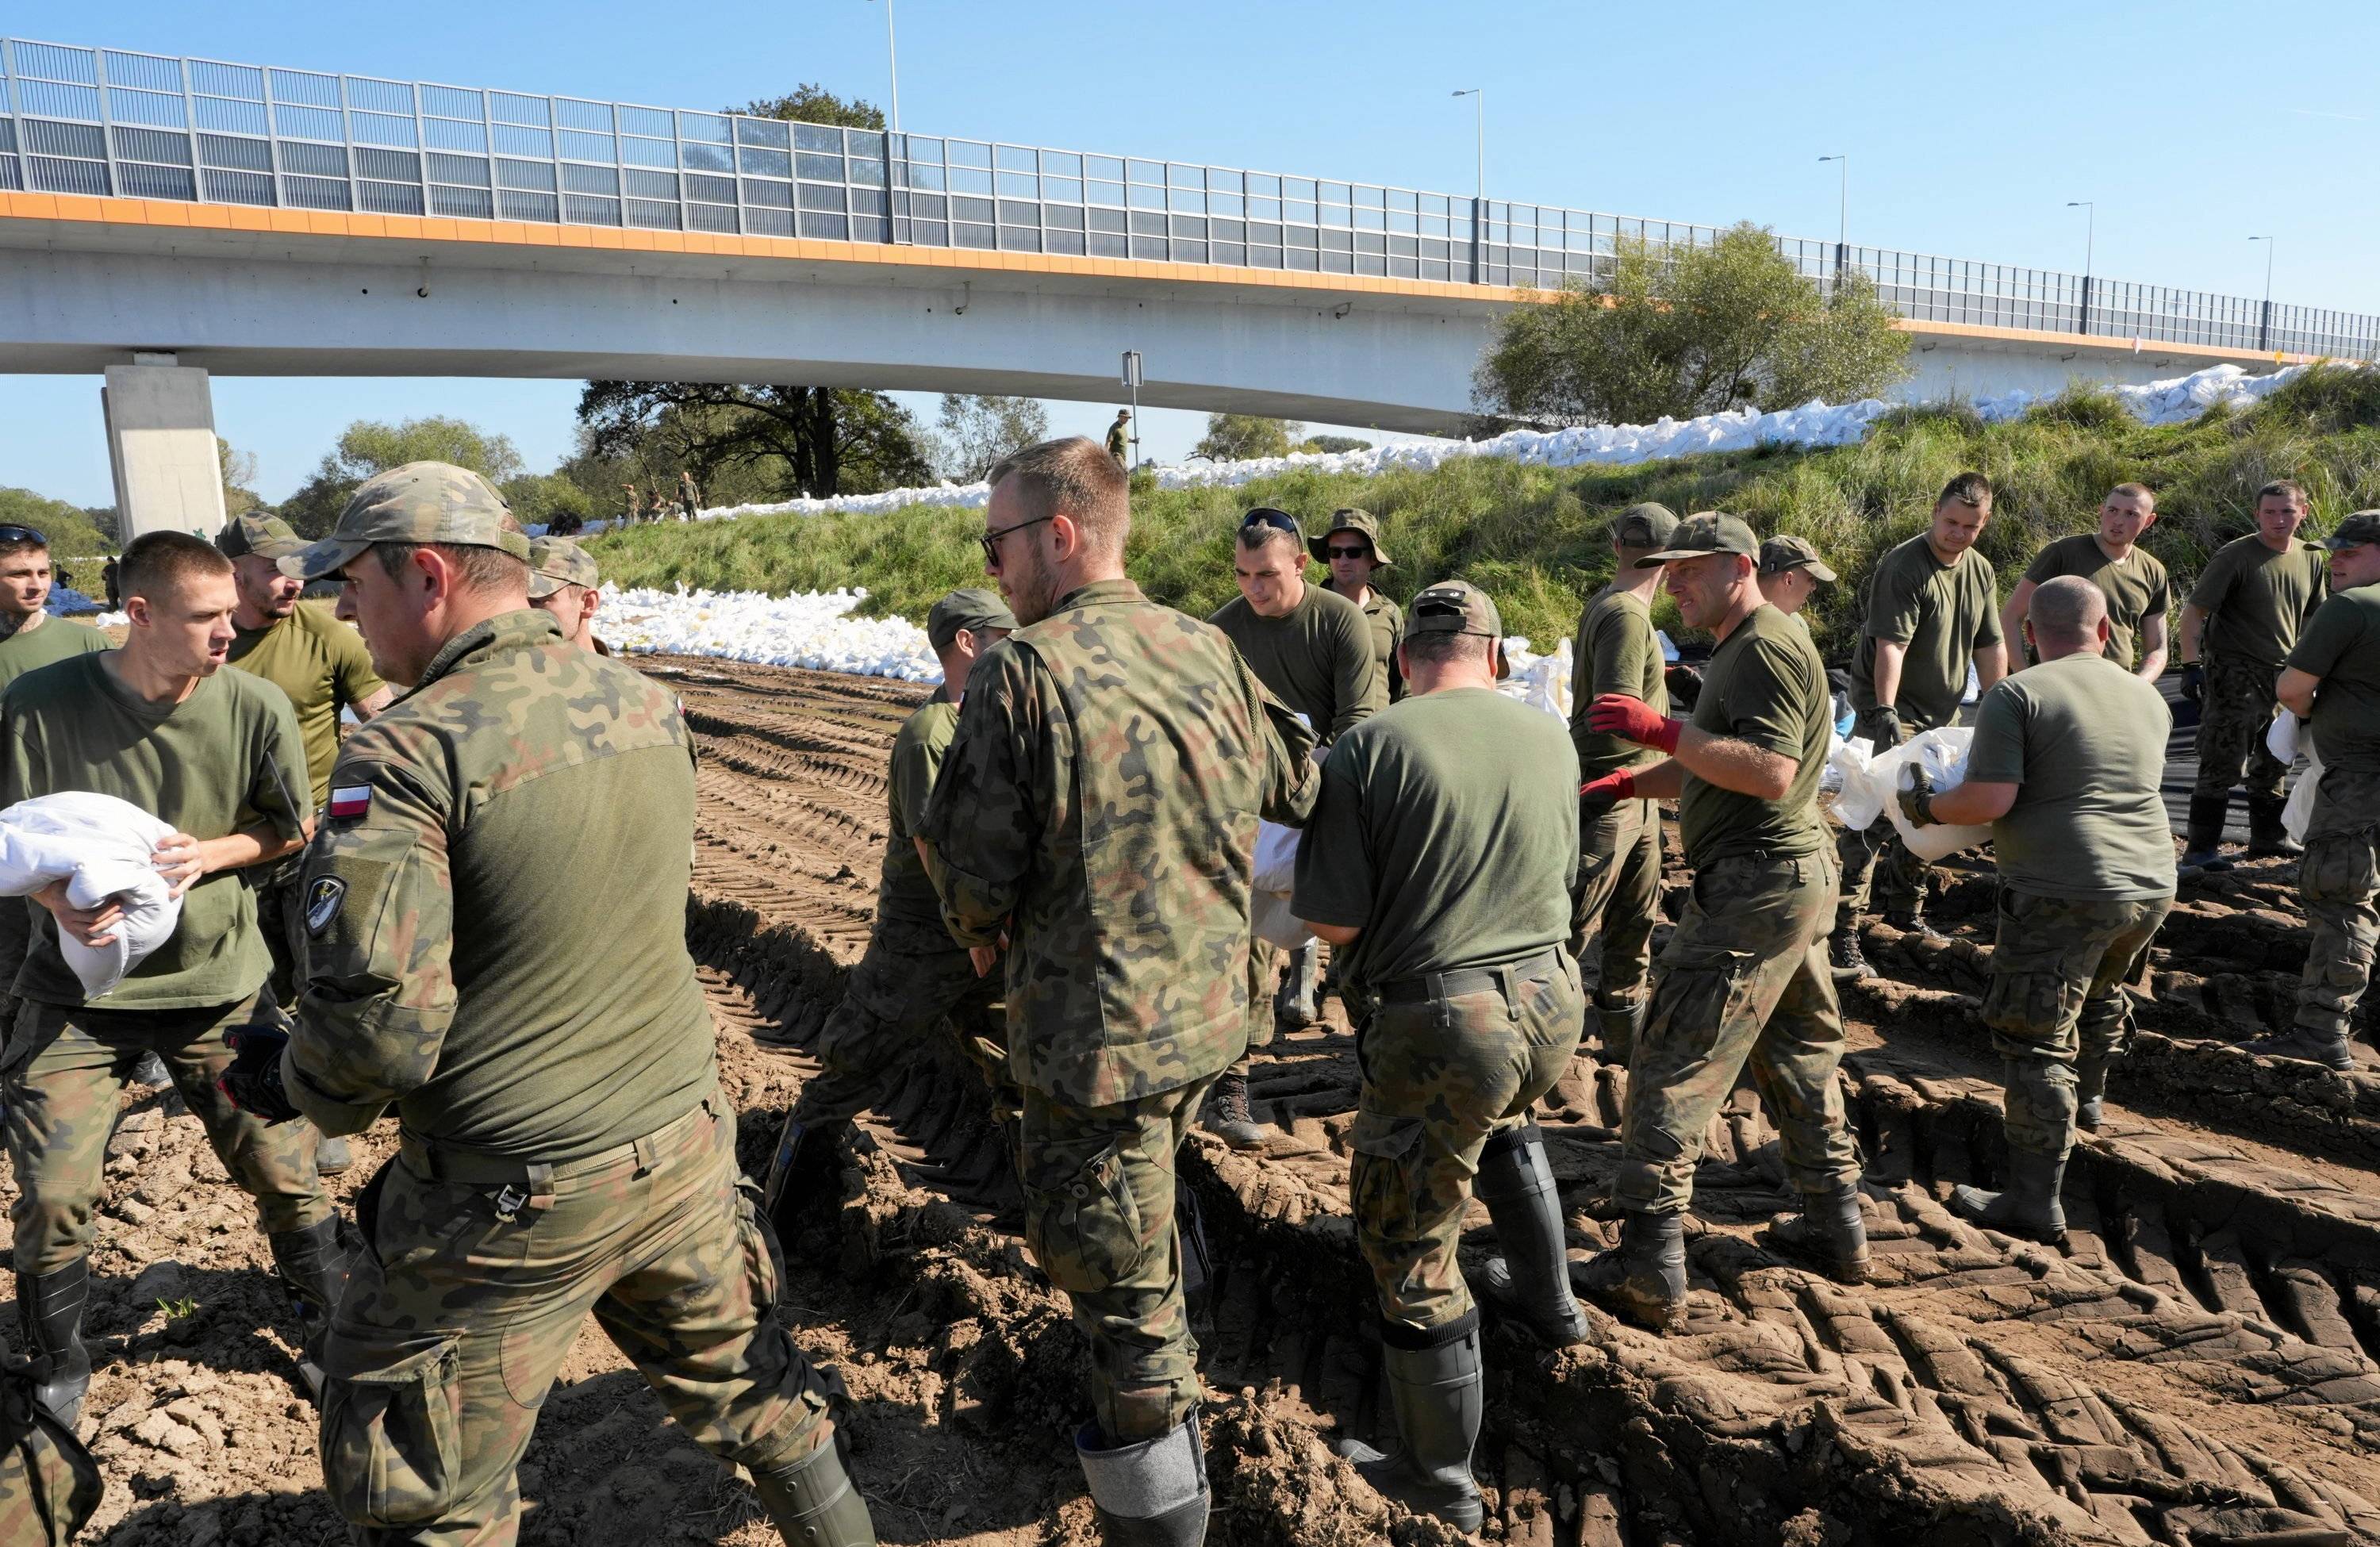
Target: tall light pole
[892, 58]
[1480, 93]
[2270, 243]
[2090, 209]
[1842, 197]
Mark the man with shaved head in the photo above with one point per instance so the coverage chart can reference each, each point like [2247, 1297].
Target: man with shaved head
[2066, 765]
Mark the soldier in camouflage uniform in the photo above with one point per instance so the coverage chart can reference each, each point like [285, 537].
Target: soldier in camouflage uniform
[565, 585]
[566, 1148]
[913, 975]
[1471, 1009]
[2333, 679]
[2066, 764]
[1745, 977]
[1097, 813]
[217, 755]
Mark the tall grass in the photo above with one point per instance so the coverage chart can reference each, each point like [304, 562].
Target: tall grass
[1536, 539]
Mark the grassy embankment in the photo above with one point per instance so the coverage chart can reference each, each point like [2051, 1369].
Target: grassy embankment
[1536, 538]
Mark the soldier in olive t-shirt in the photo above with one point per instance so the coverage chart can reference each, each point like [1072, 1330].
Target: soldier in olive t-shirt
[1318, 659]
[51, 639]
[322, 665]
[2136, 587]
[2242, 619]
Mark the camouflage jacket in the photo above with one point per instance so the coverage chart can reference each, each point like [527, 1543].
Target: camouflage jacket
[493, 913]
[1099, 805]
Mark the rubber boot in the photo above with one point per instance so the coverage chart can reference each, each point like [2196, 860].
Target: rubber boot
[49, 1319]
[1644, 1278]
[314, 1268]
[333, 1156]
[1438, 1395]
[1227, 1113]
[1621, 1025]
[2202, 850]
[2030, 1205]
[1293, 1006]
[1147, 1492]
[2091, 1090]
[2269, 837]
[2314, 1045]
[1912, 920]
[1517, 1187]
[814, 1503]
[1830, 1231]
[1843, 953]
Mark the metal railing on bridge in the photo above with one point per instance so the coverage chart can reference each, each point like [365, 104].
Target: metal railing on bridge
[107, 121]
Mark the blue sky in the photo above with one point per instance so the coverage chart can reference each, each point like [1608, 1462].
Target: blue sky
[2193, 126]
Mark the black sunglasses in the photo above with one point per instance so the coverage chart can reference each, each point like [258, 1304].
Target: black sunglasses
[11, 532]
[1361, 549]
[1265, 515]
[990, 540]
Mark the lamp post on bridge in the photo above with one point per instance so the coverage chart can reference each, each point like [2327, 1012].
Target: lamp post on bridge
[2090, 209]
[2265, 324]
[1479, 199]
[1842, 211]
[896, 149]
[893, 59]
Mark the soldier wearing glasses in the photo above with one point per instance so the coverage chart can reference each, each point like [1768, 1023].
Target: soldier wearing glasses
[1352, 548]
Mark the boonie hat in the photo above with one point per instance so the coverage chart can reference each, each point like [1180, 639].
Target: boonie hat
[1787, 552]
[420, 502]
[1648, 525]
[264, 536]
[2357, 529]
[1458, 607]
[1707, 532]
[1354, 520]
[972, 608]
[556, 562]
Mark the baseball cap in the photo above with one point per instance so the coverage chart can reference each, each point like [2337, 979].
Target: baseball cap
[1644, 526]
[264, 536]
[1458, 607]
[1787, 552]
[556, 562]
[2359, 528]
[1352, 520]
[420, 502]
[1707, 532]
[972, 608]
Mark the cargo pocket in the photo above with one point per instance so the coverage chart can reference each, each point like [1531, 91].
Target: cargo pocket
[2338, 868]
[1082, 1225]
[392, 1435]
[1699, 993]
[1382, 1185]
[2031, 1006]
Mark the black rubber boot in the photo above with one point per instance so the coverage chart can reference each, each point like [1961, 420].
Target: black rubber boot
[1148, 1493]
[1912, 920]
[313, 1266]
[49, 1319]
[1844, 956]
[1293, 1006]
[815, 1503]
[2031, 1204]
[1644, 1278]
[1438, 1395]
[1621, 1025]
[1517, 1185]
[2327, 1048]
[333, 1156]
[1830, 1232]
[2269, 837]
[2202, 850]
[2091, 1090]
[1227, 1113]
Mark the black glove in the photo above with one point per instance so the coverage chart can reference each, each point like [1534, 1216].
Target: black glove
[1685, 684]
[254, 1081]
[1881, 725]
[2193, 681]
[1918, 801]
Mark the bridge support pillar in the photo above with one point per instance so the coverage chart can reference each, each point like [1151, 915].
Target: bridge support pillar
[161, 444]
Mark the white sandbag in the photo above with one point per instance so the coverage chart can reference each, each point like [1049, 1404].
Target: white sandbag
[1842, 757]
[1276, 857]
[1268, 912]
[1862, 800]
[2281, 739]
[2297, 815]
[102, 847]
[1943, 754]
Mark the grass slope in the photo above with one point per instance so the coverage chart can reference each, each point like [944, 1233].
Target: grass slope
[1538, 540]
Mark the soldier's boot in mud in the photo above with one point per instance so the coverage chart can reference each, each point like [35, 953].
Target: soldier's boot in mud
[1228, 1117]
[1148, 1493]
[333, 1156]
[1530, 1281]
[2031, 1205]
[2314, 1046]
[1438, 1395]
[813, 1502]
[1829, 1233]
[313, 1267]
[1644, 1278]
[1912, 920]
[1620, 1024]
[2203, 848]
[1294, 1004]
[2269, 837]
[49, 1319]
[1843, 953]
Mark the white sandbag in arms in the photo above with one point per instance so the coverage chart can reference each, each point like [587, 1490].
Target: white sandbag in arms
[100, 847]
[1872, 787]
[2283, 741]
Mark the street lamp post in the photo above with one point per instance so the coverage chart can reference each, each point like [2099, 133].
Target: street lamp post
[2090, 209]
[893, 59]
[1479, 199]
[1843, 210]
[2265, 326]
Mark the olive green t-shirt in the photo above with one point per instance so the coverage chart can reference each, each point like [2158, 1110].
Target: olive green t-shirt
[1318, 659]
[2256, 601]
[322, 665]
[1764, 685]
[1616, 652]
[1942, 614]
[906, 896]
[2341, 645]
[1387, 621]
[53, 639]
[2137, 588]
[220, 760]
[1447, 831]
[2085, 742]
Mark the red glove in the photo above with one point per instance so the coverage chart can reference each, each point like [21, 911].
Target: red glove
[1634, 720]
[1598, 796]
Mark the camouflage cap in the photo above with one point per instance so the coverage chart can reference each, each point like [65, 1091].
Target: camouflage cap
[264, 536]
[1787, 552]
[556, 562]
[420, 502]
[1644, 526]
[2353, 532]
[1351, 519]
[972, 608]
[1705, 531]
[1458, 607]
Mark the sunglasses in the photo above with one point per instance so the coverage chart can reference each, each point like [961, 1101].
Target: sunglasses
[1361, 549]
[1265, 516]
[989, 541]
[11, 532]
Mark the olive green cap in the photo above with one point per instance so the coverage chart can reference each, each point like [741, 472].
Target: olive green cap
[420, 502]
[1458, 607]
[973, 609]
[1707, 532]
[1351, 519]
[1787, 552]
[556, 562]
[264, 536]
[1648, 525]
[2353, 532]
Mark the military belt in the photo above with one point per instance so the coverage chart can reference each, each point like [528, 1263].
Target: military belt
[464, 1168]
[1469, 979]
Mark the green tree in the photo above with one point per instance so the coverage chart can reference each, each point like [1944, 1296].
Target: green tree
[369, 447]
[1238, 437]
[72, 534]
[550, 500]
[238, 472]
[1333, 443]
[813, 104]
[1681, 330]
[975, 433]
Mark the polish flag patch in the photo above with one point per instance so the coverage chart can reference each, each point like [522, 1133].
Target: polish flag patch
[353, 800]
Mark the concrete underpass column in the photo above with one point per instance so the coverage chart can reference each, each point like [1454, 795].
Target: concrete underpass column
[161, 443]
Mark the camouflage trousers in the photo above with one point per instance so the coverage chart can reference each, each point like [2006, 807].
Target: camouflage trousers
[470, 1293]
[1743, 979]
[899, 994]
[1617, 898]
[2056, 996]
[1441, 1077]
[1876, 865]
[1098, 1219]
[2234, 712]
[2337, 881]
[66, 1065]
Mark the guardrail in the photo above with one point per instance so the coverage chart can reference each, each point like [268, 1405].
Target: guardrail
[146, 126]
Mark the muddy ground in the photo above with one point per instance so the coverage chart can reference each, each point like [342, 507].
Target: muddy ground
[2197, 1365]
